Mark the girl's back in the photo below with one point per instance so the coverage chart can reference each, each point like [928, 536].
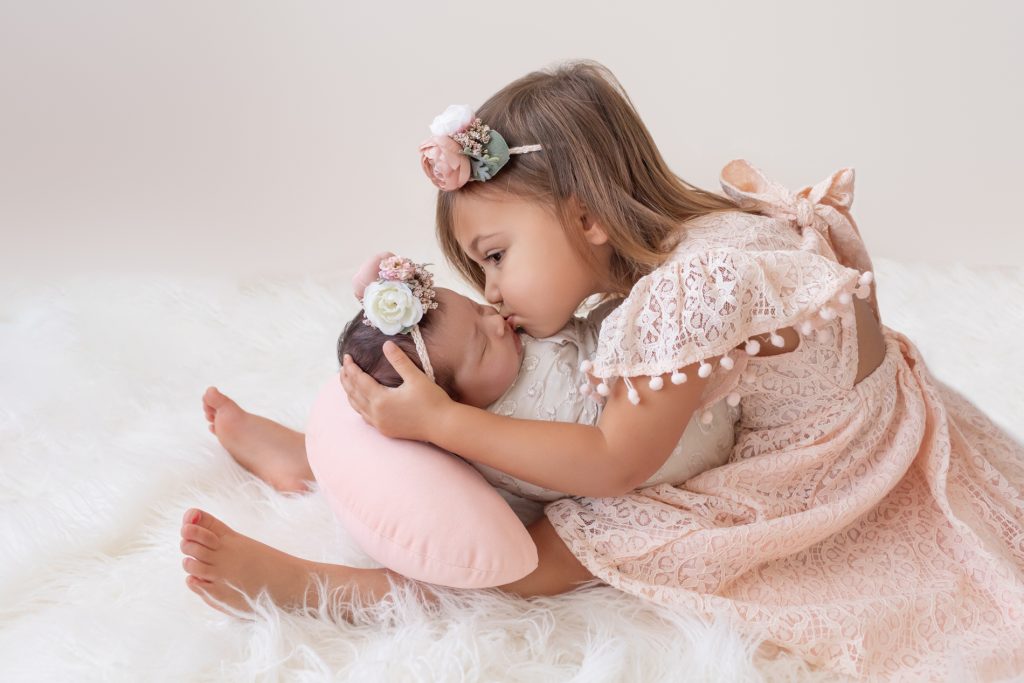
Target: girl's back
[863, 519]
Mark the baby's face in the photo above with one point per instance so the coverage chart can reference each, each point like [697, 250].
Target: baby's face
[482, 350]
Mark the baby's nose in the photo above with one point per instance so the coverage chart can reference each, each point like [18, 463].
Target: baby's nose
[498, 324]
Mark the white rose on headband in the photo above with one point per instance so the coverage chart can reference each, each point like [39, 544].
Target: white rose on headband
[452, 120]
[391, 306]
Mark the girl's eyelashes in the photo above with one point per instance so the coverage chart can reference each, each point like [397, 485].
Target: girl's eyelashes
[495, 256]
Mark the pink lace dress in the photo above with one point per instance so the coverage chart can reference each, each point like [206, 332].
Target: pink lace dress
[875, 528]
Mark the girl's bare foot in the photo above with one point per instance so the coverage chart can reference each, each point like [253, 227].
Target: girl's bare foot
[219, 555]
[269, 450]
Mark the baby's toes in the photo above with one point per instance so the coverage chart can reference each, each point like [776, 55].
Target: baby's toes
[207, 521]
[198, 569]
[214, 400]
[196, 533]
[215, 595]
[197, 550]
[202, 588]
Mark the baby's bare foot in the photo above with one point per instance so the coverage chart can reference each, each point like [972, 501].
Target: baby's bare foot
[269, 450]
[218, 555]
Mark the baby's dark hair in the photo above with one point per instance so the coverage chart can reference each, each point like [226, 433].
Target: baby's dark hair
[365, 344]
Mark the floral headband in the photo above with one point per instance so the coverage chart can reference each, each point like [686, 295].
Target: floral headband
[463, 148]
[396, 293]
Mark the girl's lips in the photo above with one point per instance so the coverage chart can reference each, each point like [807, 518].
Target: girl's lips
[515, 336]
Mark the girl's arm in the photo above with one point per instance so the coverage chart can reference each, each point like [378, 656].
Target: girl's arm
[628, 444]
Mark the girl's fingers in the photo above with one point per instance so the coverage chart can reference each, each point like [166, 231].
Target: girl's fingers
[364, 385]
[399, 361]
[349, 374]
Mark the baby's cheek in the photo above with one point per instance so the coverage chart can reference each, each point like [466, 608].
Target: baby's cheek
[501, 376]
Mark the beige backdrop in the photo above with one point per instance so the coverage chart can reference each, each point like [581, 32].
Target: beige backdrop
[261, 138]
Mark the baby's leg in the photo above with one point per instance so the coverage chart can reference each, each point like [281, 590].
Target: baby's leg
[271, 451]
[219, 556]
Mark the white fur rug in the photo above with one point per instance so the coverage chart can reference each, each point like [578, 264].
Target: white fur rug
[103, 446]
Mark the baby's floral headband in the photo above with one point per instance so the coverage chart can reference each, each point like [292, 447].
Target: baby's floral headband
[396, 293]
[464, 148]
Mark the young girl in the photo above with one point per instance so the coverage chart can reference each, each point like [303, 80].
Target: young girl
[869, 519]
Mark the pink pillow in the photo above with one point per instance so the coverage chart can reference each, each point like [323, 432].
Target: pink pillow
[411, 506]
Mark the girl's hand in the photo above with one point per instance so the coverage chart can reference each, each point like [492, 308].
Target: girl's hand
[405, 412]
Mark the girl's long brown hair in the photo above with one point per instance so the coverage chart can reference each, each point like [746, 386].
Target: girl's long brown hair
[597, 151]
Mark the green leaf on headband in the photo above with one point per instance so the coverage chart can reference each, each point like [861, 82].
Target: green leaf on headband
[498, 148]
[495, 155]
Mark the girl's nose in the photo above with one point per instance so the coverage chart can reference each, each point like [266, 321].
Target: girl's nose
[491, 292]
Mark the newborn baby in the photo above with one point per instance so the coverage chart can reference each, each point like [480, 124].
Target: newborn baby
[480, 360]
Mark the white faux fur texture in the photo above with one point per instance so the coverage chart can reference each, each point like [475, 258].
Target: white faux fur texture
[103, 446]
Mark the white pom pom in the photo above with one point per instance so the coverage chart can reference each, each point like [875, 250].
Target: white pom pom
[862, 292]
[845, 298]
[633, 396]
[656, 383]
[777, 340]
[586, 366]
[707, 417]
[866, 278]
[733, 399]
[806, 328]
[603, 389]
[753, 347]
[704, 370]
[727, 362]
[826, 313]
[678, 377]
[586, 389]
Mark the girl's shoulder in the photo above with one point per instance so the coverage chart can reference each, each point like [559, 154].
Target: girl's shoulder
[738, 274]
[735, 229]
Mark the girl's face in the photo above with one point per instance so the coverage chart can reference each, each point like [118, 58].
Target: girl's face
[481, 348]
[533, 273]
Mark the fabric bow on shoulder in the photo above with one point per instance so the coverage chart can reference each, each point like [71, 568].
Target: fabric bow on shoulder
[825, 207]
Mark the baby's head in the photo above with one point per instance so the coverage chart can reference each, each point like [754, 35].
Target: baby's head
[592, 211]
[474, 352]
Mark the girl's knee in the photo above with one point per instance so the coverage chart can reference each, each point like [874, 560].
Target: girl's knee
[558, 570]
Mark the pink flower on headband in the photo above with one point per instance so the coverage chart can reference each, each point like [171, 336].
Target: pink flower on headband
[444, 163]
[368, 272]
[396, 293]
[397, 268]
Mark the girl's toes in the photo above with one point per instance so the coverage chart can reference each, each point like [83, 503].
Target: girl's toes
[194, 532]
[198, 569]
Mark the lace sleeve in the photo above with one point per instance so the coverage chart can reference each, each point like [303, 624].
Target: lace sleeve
[712, 301]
